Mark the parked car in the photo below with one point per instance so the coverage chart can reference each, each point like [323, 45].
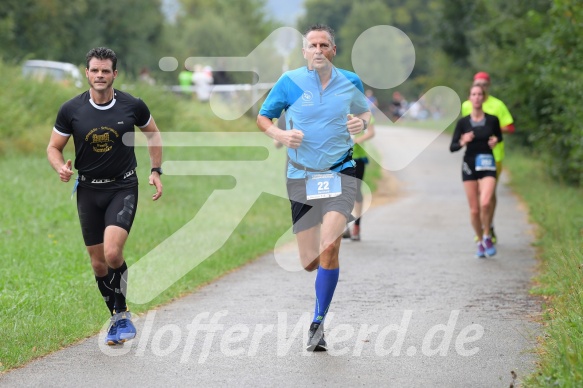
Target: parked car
[58, 71]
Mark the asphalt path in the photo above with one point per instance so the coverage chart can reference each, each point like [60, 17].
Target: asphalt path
[413, 307]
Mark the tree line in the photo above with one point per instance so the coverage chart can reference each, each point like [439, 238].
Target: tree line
[530, 48]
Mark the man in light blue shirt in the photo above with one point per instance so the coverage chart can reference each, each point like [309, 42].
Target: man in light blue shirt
[324, 106]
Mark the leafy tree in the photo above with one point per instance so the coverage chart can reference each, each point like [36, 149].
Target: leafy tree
[131, 28]
[370, 14]
[64, 30]
[218, 28]
[454, 23]
[558, 90]
[330, 12]
[39, 29]
[221, 27]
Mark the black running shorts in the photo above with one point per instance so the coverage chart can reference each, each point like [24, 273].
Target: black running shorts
[469, 172]
[99, 209]
[306, 214]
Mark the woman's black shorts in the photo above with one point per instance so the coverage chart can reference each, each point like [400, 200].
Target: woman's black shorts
[469, 172]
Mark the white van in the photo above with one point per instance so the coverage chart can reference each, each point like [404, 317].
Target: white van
[58, 71]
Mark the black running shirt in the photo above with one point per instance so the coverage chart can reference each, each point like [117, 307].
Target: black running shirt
[98, 132]
[482, 133]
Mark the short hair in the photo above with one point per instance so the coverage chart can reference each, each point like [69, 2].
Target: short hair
[101, 53]
[319, 27]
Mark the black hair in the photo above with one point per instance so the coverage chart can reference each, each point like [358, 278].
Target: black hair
[102, 53]
[320, 27]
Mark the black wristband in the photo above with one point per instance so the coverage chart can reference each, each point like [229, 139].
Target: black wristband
[156, 169]
[365, 123]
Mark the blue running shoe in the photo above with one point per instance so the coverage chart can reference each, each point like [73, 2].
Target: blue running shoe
[125, 328]
[481, 252]
[489, 246]
[111, 337]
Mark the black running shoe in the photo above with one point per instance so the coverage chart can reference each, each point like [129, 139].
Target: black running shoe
[322, 345]
[316, 341]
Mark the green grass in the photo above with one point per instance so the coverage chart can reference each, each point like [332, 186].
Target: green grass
[48, 295]
[557, 210]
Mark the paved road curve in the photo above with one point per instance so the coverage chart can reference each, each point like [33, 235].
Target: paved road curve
[413, 307]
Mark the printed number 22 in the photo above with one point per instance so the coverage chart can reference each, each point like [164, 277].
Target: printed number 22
[323, 186]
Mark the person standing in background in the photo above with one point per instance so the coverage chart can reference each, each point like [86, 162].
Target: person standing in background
[185, 81]
[202, 78]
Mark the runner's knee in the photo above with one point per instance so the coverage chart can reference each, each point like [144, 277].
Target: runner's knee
[329, 249]
[99, 267]
[474, 211]
[113, 256]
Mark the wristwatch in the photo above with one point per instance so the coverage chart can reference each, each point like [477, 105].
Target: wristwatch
[365, 124]
[156, 169]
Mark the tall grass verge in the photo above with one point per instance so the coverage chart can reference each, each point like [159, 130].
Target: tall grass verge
[557, 210]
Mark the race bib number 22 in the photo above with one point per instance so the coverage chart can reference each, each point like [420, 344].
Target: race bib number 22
[323, 185]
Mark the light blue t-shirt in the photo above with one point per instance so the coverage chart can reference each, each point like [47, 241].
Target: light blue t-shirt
[319, 114]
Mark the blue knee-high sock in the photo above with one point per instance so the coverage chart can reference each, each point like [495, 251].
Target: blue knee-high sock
[326, 281]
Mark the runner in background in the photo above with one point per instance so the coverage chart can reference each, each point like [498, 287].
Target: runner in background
[479, 132]
[361, 159]
[495, 107]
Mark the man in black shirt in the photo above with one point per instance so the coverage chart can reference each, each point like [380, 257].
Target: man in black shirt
[107, 186]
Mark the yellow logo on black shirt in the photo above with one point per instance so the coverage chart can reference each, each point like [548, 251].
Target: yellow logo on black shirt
[101, 142]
